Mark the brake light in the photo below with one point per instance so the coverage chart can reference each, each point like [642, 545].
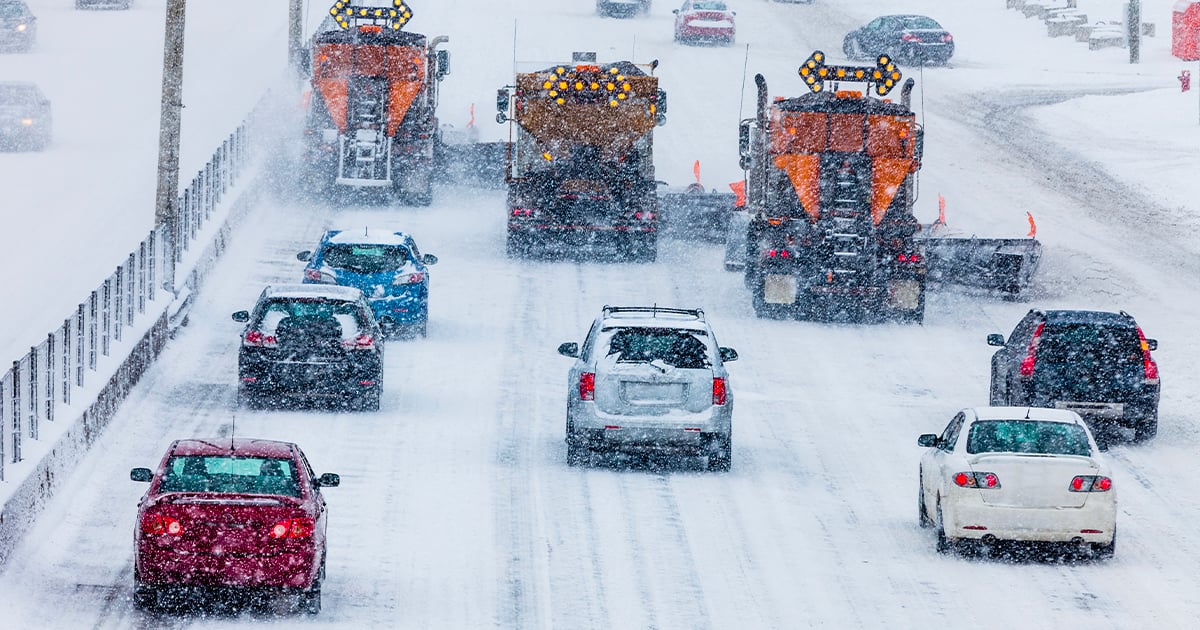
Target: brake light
[259, 339]
[1149, 367]
[909, 37]
[523, 212]
[312, 274]
[719, 391]
[587, 386]
[293, 528]
[1090, 483]
[1027, 364]
[947, 37]
[161, 525]
[908, 258]
[408, 278]
[361, 342]
[778, 253]
[980, 480]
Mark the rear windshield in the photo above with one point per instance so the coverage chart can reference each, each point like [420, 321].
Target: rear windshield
[231, 475]
[708, 6]
[11, 10]
[14, 95]
[340, 318]
[1028, 436]
[366, 258]
[688, 349]
[1090, 344]
[921, 22]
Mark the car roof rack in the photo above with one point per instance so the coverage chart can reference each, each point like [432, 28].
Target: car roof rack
[654, 311]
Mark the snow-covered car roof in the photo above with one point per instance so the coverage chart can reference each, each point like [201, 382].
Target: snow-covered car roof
[368, 236]
[330, 291]
[1030, 413]
[252, 447]
[653, 317]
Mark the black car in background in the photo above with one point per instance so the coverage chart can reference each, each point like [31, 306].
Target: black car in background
[18, 26]
[909, 39]
[1095, 363]
[25, 123]
[310, 342]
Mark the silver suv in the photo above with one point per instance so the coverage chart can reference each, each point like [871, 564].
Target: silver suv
[650, 379]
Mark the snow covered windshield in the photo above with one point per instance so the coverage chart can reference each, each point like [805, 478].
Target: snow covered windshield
[11, 10]
[366, 258]
[1028, 436]
[921, 22]
[687, 349]
[14, 95]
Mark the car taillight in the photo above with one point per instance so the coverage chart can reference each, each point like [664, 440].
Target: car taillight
[719, 391]
[909, 37]
[523, 212]
[161, 525]
[947, 38]
[259, 339]
[1027, 364]
[312, 274]
[976, 480]
[908, 258]
[1149, 367]
[361, 342]
[408, 278]
[1090, 483]
[778, 253]
[587, 386]
[644, 216]
[293, 528]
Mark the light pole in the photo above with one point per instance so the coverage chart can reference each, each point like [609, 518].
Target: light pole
[295, 34]
[166, 207]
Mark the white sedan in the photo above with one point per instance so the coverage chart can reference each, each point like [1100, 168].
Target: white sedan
[1017, 474]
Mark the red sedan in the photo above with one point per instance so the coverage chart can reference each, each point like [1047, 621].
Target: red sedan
[241, 513]
[704, 20]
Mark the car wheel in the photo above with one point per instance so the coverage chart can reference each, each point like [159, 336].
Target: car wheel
[310, 601]
[577, 452]
[1146, 430]
[367, 401]
[515, 246]
[996, 395]
[922, 515]
[847, 48]
[722, 461]
[1105, 552]
[145, 597]
[246, 399]
[944, 543]
[856, 49]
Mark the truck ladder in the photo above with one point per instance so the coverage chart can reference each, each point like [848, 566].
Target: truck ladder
[365, 157]
[849, 228]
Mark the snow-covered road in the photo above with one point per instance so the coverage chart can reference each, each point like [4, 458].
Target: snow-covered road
[456, 508]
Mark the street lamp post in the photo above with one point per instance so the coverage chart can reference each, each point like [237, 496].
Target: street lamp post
[166, 207]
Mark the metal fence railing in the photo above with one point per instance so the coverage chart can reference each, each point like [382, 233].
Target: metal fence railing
[42, 382]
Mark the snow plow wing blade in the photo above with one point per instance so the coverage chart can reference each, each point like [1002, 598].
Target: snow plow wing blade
[1000, 264]
[472, 163]
[695, 215]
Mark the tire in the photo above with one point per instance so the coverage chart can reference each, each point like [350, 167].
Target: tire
[367, 401]
[1105, 552]
[847, 49]
[996, 397]
[577, 453]
[922, 516]
[247, 399]
[722, 463]
[944, 543]
[310, 601]
[145, 597]
[515, 246]
[855, 50]
[1146, 430]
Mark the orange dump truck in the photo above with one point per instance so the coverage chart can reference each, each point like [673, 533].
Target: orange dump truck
[831, 186]
[580, 169]
[372, 119]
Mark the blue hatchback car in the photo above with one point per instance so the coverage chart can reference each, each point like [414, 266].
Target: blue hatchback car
[385, 265]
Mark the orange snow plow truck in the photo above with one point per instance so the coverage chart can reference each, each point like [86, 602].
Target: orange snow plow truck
[830, 192]
[580, 169]
[372, 115]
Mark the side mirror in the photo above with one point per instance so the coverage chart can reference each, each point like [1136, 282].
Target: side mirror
[675, 11]
[927, 439]
[305, 255]
[919, 148]
[141, 474]
[569, 349]
[306, 61]
[328, 480]
[1152, 344]
[443, 63]
[995, 340]
[744, 141]
[241, 316]
[660, 117]
[728, 354]
[429, 259]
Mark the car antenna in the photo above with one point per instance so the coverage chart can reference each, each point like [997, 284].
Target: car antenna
[233, 431]
[1028, 410]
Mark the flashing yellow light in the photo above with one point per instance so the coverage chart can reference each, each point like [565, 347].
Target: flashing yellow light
[547, 85]
[594, 86]
[610, 87]
[626, 87]
[804, 71]
[396, 16]
[621, 95]
[559, 100]
[553, 93]
[613, 70]
[547, 156]
[559, 70]
[579, 85]
[653, 108]
[612, 103]
[562, 85]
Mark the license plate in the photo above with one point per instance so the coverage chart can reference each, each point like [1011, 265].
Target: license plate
[657, 393]
[779, 289]
[904, 294]
[1093, 409]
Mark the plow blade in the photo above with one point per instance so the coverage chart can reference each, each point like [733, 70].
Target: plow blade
[695, 215]
[1001, 264]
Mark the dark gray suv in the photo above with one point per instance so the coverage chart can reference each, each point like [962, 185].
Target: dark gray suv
[1094, 363]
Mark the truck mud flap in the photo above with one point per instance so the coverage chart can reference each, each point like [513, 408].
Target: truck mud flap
[903, 295]
[1000, 264]
[779, 289]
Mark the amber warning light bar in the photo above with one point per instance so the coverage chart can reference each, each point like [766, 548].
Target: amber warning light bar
[395, 16]
[884, 76]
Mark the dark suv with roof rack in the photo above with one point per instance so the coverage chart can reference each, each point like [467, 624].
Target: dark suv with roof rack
[1095, 363]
